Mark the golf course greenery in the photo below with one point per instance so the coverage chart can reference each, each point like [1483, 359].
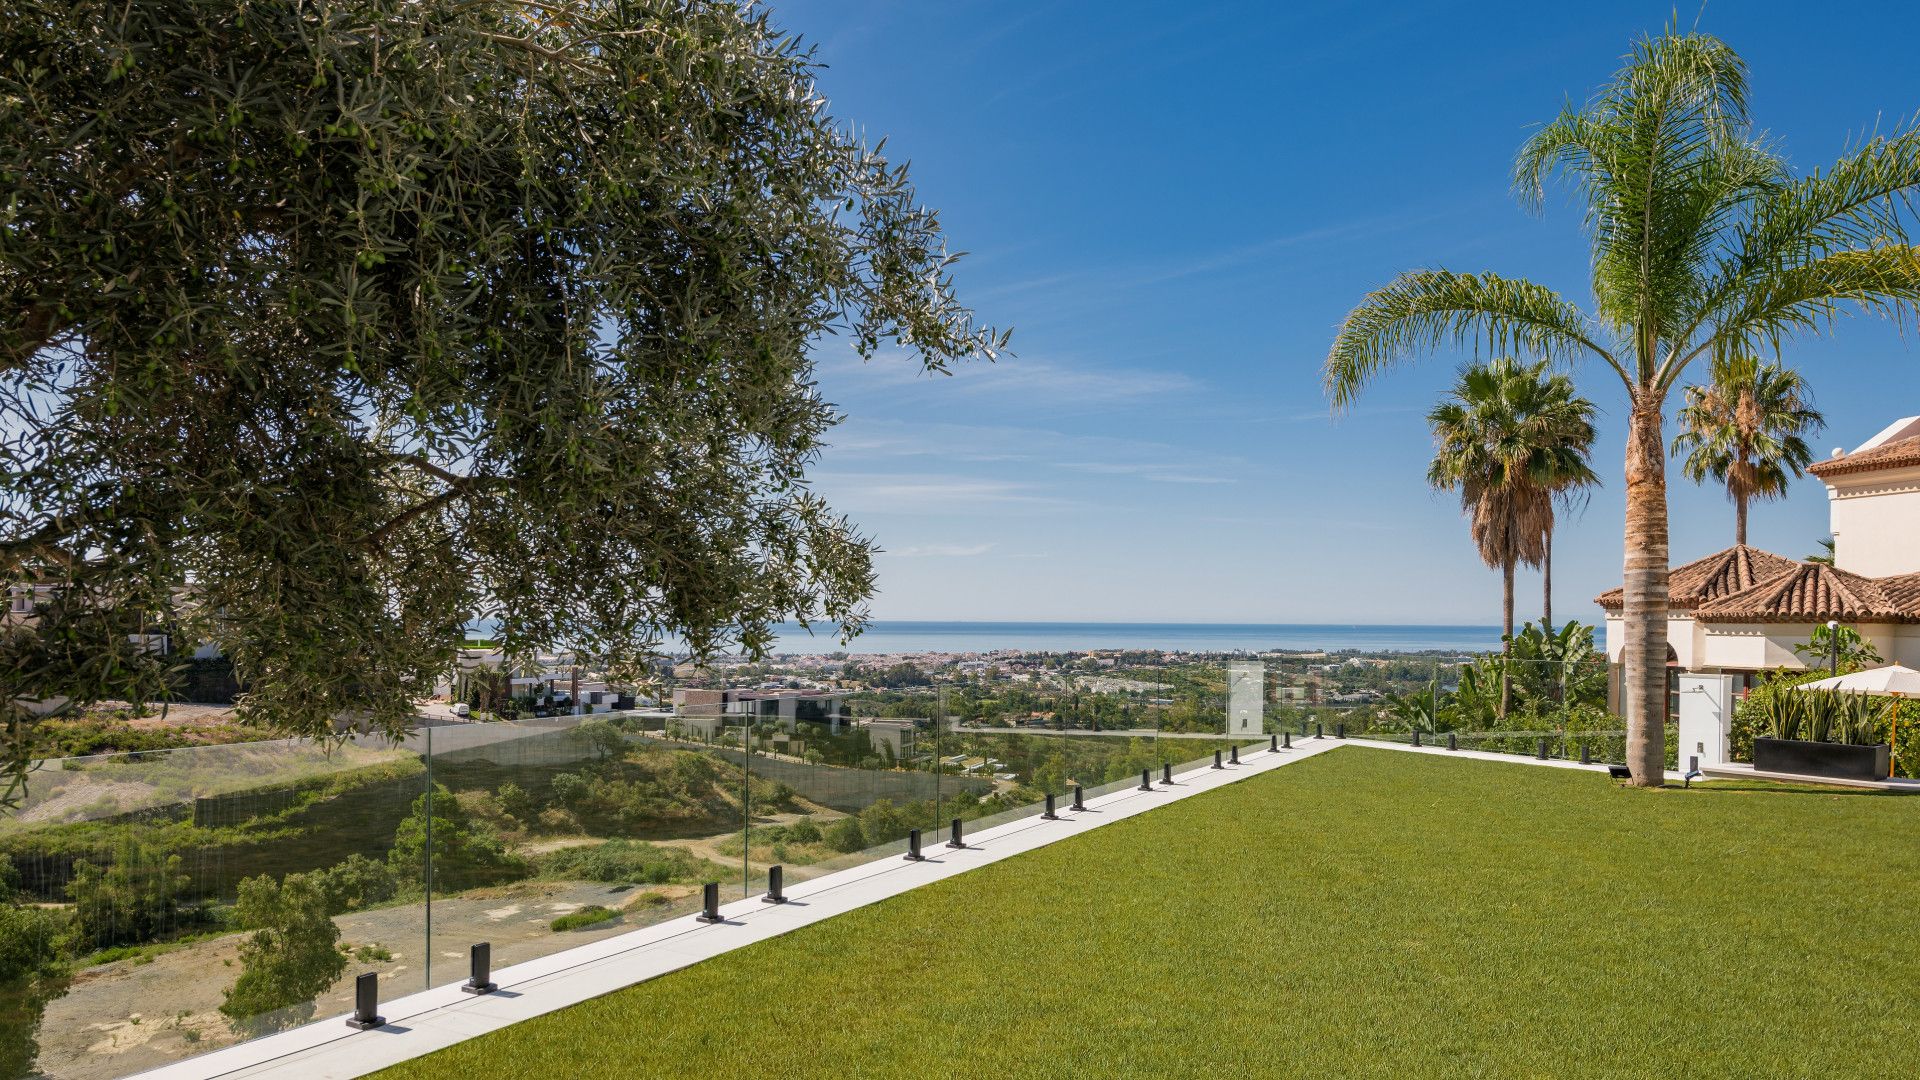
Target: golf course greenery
[1365, 912]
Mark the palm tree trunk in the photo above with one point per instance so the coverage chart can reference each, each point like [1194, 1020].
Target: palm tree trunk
[1644, 612]
[1740, 520]
[1546, 579]
[1506, 633]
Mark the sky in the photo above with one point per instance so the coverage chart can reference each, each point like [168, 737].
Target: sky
[1174, 205]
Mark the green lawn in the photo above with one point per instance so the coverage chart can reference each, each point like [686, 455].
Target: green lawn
[1365, 912]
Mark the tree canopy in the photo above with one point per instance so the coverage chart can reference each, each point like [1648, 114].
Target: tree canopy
[327, 327]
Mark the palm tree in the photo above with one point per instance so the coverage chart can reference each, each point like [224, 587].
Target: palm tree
[1703, 243]
[1825, 554]
[1511, 438]
[1743, 429]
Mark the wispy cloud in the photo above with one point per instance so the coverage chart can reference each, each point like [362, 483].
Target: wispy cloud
[925, 493]
[940, 551]
[1046, 383]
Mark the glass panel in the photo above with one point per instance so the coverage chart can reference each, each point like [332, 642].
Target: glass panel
[212, 894]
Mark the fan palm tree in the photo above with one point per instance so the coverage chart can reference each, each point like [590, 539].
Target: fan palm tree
[1511, 438]
[1703, 243]
[1744, 428]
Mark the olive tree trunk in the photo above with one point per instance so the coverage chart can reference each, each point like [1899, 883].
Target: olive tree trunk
[1644, 614]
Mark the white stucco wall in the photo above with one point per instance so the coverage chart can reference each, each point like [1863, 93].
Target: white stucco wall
[1875, 519]
[1682, 633]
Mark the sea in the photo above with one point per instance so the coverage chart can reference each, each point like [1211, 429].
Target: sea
[903, 636]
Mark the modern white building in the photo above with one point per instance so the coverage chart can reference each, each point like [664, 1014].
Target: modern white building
[1741, 611]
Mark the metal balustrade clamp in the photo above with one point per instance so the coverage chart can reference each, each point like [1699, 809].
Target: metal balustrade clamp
[366, 1003]
[1319, 731]
[1453, 741]
[1166, 774]
[1543, 750]
[1216, 760]
[1273, 744]
[1340, 731]
[479, 970]
[1416, 737]
[1079, 797]
[913, 846]
[1146, 779]
[1287, 741]
[1586, 754]
[1050, 815]
[709, 903]
[953, 829]
[776, 879]
[1233, 755]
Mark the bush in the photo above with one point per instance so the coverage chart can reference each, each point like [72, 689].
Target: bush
[293, 954]
[803, 831]
[846, 835]
[626, 862]
[137, 898]
[591, 915]
[355, 883]
[466, 853]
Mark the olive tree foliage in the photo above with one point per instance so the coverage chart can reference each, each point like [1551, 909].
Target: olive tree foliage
[328, 326]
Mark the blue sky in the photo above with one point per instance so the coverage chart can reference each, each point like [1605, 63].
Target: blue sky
[1174, 205]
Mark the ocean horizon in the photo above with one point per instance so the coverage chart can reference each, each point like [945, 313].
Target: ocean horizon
[955, 636]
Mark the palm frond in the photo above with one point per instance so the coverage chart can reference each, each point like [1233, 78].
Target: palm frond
[1427, 309]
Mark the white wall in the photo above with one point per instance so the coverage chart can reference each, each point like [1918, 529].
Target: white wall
[1875, 519]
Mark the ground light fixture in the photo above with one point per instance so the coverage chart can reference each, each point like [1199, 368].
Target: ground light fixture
[366, 1003]
[479, 970]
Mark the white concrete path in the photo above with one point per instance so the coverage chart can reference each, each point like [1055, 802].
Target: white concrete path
[431, 1020]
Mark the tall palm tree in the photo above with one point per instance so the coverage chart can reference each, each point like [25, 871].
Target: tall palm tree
[1744, 428]
[1703, 243]
[1510, 438]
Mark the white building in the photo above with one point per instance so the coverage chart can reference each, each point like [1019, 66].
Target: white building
[1741, 611]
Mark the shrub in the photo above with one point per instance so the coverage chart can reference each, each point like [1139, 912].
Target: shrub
[803, 831]
[354, 883]
[138, 897]
[626, 862]
[881, 822]
[517, 804]
[466, 853]
[293, 953]
[846, 835]
[591, 915]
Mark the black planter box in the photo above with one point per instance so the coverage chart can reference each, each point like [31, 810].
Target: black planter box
[1842, 761]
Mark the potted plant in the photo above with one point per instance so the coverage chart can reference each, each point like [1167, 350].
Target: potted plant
[1823, 733]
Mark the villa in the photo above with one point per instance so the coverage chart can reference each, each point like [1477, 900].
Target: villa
[1741, 611]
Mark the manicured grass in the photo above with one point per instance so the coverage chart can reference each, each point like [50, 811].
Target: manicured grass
[1364, 913]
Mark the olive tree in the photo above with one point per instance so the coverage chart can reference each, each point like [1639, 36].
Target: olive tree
[327, 327]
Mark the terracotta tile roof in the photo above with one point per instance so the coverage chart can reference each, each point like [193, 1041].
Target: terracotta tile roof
[1893, 455]
[1812, 592]
[1722, 573]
